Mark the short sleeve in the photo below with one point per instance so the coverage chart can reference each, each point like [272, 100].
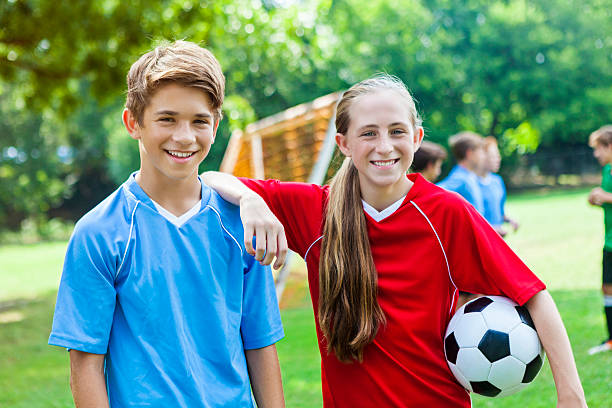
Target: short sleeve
[502, 185]
[298, 206]
[481, 262]
[86, 297]
[261, 322]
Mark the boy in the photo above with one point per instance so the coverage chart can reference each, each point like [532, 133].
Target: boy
[601, 142]
[428, 160]
[158, 303]
[468, 150]
[493, 189]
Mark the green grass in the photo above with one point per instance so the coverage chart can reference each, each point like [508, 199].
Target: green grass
[560, 239]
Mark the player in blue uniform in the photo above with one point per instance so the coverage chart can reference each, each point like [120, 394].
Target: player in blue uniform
[468, 151]
[159, 303]
[493, 189]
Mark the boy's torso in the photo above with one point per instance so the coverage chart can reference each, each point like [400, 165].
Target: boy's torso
[176, 327]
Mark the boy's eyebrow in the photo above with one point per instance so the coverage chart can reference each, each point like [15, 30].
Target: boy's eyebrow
[173, 113]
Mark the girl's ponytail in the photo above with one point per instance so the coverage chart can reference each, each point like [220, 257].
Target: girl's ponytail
[349, 313]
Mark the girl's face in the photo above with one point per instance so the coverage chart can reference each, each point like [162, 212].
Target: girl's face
[381, 140]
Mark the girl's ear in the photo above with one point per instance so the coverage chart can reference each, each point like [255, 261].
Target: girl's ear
[418, 137]
[130, 123]
[343, 145]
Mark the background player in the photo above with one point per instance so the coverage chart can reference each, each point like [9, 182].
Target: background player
[428, 160]
[386, 254]
[494, 189]
[158, 303]
[468, 151]
[601, 142]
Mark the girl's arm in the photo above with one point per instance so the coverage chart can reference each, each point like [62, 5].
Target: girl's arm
[265, 375]
[87, 380]
[257, 219]
[558, 349]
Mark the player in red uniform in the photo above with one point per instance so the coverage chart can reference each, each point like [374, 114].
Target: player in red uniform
[386, 255]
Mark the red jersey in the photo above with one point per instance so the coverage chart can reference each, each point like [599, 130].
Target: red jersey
[433, 245]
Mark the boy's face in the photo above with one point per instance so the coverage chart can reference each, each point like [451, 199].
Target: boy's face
[178, 128]
[476, 158]
[432, 170]
[603, 153]
[493, 158]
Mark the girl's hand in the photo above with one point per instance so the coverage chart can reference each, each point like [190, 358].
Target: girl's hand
[261, 223]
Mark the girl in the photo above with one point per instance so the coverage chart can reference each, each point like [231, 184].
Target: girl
[386, 255]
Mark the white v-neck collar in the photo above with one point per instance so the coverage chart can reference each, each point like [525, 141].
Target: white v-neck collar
[180, 220]
[379, 216]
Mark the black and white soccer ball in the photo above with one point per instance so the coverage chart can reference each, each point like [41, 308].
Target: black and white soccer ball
[492, 347]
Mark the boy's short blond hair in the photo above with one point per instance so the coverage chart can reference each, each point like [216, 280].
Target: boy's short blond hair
[181, 62]
[602, 136]
[464, 141]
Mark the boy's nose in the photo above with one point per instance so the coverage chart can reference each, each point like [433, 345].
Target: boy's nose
[184, 134]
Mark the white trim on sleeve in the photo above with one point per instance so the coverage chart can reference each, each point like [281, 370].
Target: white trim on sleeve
[225, 229]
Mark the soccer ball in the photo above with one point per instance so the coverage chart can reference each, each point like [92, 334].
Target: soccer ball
[492, 347]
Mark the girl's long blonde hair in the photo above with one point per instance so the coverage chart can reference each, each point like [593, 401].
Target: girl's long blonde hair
[349, 313]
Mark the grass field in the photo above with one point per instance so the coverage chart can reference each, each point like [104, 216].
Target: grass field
[560, 239]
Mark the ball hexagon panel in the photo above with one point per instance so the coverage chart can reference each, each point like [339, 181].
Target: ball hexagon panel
[473, 364]
[459, 376]
[507, 373]
[454, 321]
[501, 316]
[470, 330]
[511, 390]
[524, 343]
[494, 345]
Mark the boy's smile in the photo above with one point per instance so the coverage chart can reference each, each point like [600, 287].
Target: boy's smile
[178, 127]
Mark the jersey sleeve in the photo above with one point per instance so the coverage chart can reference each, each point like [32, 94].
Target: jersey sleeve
[502, 185]
[261, 322]
[86, 297]
[481, 262]
[298, 206]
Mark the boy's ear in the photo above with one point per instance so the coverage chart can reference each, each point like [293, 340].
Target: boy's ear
[130, 123]
[214, 135]
[343, 145]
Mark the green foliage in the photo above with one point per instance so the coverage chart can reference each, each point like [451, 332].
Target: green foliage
[532, 73]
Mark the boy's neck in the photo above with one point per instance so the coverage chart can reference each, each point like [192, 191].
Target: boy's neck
[176, 196]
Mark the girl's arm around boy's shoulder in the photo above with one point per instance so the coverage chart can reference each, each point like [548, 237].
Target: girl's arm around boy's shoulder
[271, 209]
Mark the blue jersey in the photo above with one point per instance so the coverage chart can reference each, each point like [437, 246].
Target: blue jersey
[465, 183]
[494, 198]
[172, 308]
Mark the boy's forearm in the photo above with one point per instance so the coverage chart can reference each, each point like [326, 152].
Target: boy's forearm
[558, 349]
[227, 185]
[87, 380]
[265, 375]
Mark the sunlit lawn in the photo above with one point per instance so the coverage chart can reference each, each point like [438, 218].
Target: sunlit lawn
[560, 238]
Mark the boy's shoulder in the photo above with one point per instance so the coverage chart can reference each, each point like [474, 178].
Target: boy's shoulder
[228, 213]
[110, 215]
